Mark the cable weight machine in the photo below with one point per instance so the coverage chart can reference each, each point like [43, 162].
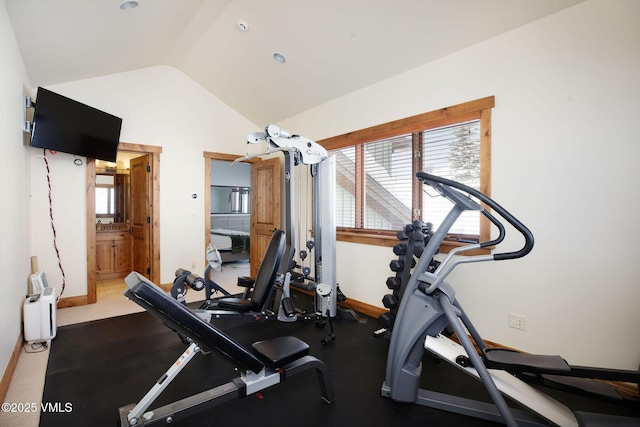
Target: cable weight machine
[320, 276]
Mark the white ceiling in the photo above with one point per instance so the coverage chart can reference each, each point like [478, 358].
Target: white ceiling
[333, 47]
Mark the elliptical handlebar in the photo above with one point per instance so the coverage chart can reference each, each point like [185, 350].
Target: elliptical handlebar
[444, 186]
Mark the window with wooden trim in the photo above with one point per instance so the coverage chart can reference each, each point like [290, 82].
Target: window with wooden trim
[376, 189]
[105, 195]
[112, 196]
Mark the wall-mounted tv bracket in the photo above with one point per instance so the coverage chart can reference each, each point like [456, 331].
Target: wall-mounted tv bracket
[27, 125]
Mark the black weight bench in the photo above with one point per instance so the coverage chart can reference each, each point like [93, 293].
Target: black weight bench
[270, 363]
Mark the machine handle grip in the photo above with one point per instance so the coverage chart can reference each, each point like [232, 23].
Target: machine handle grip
[195, 282]
[436, 181]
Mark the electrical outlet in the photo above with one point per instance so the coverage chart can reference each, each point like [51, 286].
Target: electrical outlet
[517, 321]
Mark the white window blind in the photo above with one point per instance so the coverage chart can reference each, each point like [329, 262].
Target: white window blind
[452, 152]
[377, 189]
[345, 187]
[388, 172]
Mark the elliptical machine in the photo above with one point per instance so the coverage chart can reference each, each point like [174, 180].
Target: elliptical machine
[429, 305]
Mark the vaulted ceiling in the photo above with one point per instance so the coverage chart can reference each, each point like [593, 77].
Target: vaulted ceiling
[332, 47]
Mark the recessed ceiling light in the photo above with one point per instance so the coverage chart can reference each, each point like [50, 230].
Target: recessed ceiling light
[128, 5]
[279, 58]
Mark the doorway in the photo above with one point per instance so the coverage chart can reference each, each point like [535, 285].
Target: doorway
[142, 236]
[264, 196]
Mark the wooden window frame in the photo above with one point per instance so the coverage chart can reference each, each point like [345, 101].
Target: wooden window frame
[479, 109]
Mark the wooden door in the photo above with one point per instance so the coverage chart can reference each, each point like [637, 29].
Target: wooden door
[265, 207]
[140, 175]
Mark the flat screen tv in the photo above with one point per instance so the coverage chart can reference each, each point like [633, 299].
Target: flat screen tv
[65, 125]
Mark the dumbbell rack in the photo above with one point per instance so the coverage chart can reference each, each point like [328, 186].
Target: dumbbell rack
[413, 239]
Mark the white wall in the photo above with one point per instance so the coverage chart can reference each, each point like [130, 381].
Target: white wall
[564, 158]
[159, 106]
[14, 183]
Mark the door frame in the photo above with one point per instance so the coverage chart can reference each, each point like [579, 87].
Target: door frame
[208, 156]
[154, 152]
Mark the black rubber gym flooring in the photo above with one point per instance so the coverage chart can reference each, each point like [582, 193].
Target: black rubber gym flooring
[96, 367]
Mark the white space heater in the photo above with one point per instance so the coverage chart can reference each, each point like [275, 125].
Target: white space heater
[40, 311]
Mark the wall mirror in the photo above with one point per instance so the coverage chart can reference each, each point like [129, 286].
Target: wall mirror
[112, 197]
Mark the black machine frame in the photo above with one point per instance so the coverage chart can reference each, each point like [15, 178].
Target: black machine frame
[269, 364]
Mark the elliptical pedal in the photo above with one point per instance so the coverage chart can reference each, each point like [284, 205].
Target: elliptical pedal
[582, 385]
[514, 361]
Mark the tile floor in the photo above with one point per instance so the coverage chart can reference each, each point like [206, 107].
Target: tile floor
[27, 383]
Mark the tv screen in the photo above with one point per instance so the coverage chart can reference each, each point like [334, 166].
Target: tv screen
[62, 124]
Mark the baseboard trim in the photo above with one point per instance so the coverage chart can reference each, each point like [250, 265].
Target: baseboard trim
[362, 307]
[11, 368]
[359, 306]
[73, 301]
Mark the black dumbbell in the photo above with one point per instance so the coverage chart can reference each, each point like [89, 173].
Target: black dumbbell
[396, 265]
[393, 283]
[402, 235]
[386, 319]
[400, 249]
[417, 235]
[390, 301]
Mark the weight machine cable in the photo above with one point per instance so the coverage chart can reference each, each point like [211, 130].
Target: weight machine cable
[298, 220]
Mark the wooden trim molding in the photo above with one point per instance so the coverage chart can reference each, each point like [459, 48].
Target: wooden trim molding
[155, 209]
[363, 307]
[139, 148]
[442, 117]
[208, 156]
[91, 297]
[11, 369]
[211, 155]
[75, 301]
